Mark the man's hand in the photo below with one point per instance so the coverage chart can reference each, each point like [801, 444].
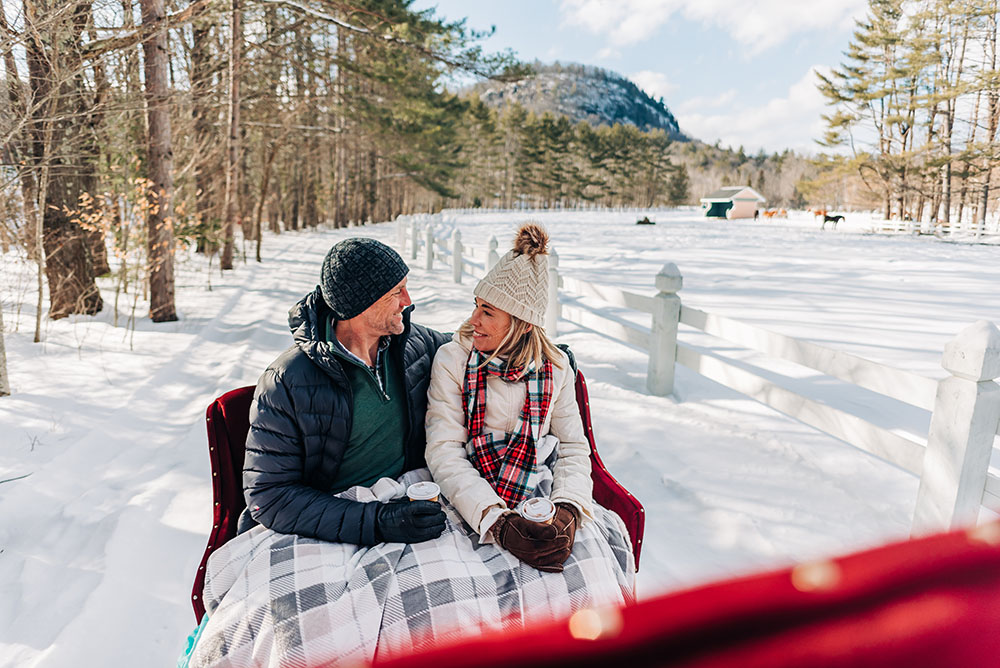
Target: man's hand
[409, 521]
[535, 543]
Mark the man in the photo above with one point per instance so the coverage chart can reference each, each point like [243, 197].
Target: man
[344, 406]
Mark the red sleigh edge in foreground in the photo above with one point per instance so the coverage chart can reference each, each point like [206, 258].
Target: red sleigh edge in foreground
[932, 602]
[228, 421]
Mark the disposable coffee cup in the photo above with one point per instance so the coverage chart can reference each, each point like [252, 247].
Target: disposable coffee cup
[538, 510]
[423, 491]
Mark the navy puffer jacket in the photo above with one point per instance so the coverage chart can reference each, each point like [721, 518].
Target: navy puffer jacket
[300, 421]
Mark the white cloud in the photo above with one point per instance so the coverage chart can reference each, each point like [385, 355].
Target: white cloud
[625, 21]
[792, 121]
[695, 105]
[654, 83]
[758, 24]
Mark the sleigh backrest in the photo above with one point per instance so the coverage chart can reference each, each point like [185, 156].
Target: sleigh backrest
[228, 422]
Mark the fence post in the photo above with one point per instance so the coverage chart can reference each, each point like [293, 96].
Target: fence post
[456, 256]
[554, 310]
[414, 240]
[493, 256]
[963, 425]
[663, 337]
[429, 239]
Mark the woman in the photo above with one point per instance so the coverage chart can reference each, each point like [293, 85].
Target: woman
[503, 425]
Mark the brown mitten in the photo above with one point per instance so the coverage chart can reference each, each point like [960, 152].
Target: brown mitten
[535, 543]
[566, 521]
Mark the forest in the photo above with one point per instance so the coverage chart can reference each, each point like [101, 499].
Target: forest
[132, 128]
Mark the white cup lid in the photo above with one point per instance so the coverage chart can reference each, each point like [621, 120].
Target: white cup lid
[538, 509]
[424, 490]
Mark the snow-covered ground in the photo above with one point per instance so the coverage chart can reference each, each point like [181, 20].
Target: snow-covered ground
[104, 478]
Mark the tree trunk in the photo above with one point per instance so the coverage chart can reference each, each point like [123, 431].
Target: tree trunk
[59, 155]
[65, 174]
[233, 141]
[263, 193]
[160, 215]
[993, 98]
[965, 189]
[4, 382]
[205, 214]
[98, 236]
[18, 105]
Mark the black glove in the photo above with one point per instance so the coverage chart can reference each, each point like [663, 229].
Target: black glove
[408, 521]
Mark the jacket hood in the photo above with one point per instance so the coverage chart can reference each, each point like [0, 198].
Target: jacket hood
[306, 319]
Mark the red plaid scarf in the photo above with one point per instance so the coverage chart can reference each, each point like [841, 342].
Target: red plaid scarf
[509, 465]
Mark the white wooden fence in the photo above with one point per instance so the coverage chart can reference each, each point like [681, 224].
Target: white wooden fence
[953, 463]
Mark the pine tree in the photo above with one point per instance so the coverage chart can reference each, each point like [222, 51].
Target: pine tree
[678, 191]
[865, 92]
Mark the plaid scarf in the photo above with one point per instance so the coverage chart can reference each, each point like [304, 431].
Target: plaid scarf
[509, 465]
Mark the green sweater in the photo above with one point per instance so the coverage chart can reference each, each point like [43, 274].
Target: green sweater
[378, 425]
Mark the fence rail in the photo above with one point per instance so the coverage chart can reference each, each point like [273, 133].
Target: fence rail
[609, 294]
[903, 385]
[952, 464]
[857, 431]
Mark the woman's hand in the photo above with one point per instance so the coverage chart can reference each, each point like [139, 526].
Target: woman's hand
[537, 544]
[566, 521]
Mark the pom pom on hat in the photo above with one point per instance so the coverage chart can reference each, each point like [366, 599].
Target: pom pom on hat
[519, 283]
[531, 240]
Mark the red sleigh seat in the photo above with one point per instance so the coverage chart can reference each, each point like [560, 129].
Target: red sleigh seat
[228, 421]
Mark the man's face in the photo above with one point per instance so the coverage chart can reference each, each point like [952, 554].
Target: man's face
[385, 316]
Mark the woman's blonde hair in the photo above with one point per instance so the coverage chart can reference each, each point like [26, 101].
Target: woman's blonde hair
[521, 345]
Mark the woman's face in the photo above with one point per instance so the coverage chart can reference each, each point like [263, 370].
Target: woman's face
[490, 325]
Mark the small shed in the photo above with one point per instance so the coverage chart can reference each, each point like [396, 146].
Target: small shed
[732, 202]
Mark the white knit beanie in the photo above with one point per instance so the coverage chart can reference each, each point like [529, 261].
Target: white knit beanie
[519, 283]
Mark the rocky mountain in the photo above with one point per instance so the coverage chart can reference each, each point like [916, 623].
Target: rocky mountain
[582, 93]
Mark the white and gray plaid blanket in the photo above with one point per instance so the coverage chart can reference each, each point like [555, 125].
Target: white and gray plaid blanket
[284, 600]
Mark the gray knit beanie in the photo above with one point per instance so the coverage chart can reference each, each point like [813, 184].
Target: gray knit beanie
[357, 272]
[519, 282]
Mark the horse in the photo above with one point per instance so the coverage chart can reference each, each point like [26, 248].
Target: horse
[831, 219]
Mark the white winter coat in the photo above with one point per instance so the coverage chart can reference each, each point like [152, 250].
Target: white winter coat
[447, 457]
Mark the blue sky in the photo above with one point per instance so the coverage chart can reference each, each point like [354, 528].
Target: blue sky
[737, 72]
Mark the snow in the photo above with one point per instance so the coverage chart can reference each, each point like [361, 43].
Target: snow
[101, 538]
